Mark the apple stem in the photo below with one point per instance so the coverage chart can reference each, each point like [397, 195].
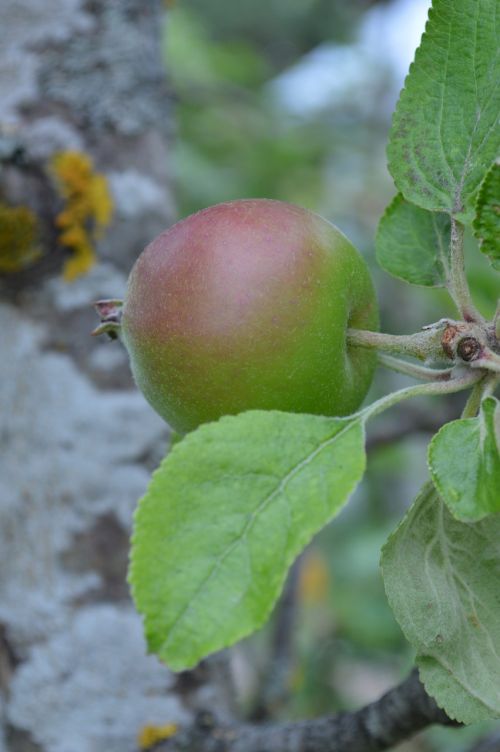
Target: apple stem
[423, 345]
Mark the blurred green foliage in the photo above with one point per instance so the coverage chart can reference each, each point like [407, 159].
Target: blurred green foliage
[232, 142]
[281, 29]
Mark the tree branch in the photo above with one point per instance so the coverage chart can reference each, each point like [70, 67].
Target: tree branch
[487, 743]
[399, 714]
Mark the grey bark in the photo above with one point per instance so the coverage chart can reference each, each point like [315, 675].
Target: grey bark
[489, 743]
[76, 439]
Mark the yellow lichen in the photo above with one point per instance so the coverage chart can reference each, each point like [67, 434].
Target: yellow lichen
[87, 212]
[314, 579]
[18, 234]
[151, 735]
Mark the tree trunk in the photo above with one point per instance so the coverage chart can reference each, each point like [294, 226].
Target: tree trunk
[77, 441]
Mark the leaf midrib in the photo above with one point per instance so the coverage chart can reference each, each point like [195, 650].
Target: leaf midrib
[259, 510]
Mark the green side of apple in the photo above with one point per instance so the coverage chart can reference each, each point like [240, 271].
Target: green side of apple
[245, 306]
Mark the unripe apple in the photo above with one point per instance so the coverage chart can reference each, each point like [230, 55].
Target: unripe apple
[245, 305]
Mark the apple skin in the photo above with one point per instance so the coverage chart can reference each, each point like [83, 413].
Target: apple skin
[245, 305]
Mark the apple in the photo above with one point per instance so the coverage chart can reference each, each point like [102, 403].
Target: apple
[243, 306]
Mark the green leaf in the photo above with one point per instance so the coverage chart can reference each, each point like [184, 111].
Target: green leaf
[445, 131]
[224, 517]
[464, 459]
[441, 578]
[486, 223]
[413, 243]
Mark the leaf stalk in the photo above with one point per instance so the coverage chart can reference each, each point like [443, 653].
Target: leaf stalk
[414, 369]
[457, 283]
[461, 382]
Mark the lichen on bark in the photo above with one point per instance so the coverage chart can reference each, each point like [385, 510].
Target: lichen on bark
[77, 442]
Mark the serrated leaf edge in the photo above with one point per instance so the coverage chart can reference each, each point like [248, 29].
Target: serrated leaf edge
[480, 202]
[172, 663]
[435, 478]
[401, 98]
[427, 488]
[396, 201]
[461, 213]
[492, 713]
